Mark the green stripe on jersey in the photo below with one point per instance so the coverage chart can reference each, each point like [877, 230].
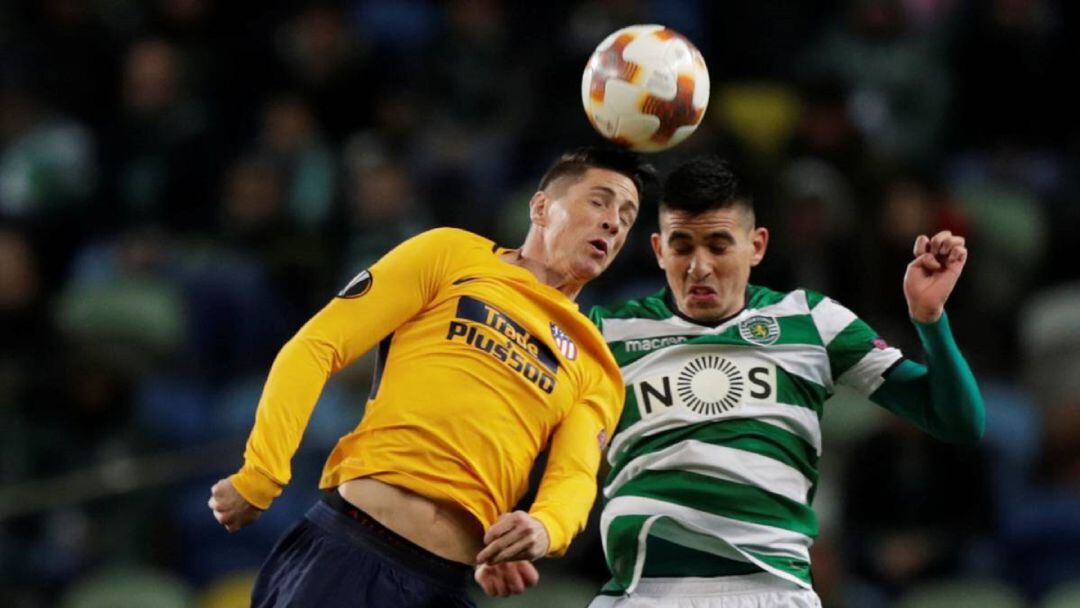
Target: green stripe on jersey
[665, 558]
[790, 565]
[743, 434]
[813, 298]
[622, 547]
[850, 346]
[724, 498]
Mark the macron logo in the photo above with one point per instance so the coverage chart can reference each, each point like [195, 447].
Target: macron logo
[647, 344]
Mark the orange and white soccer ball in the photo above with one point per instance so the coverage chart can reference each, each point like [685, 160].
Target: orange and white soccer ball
[645, 87]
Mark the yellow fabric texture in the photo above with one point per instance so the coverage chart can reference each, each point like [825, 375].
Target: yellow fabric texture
[471, 386]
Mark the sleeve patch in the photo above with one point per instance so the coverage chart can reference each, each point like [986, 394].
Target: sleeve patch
[358, 286]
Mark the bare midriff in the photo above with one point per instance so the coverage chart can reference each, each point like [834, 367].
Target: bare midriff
[442, 528]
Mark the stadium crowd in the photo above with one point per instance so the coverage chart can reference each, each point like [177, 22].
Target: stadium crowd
[184, 182]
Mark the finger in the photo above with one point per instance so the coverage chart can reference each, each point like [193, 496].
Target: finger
[528, 573]
[922, 245]
[928, 262]
[497, 585]
[504, 524]
[514, 583]
[516, 551]
[495, 547]
[958, 255]
[938, 239]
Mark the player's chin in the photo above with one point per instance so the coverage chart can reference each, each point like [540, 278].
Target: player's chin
[589, 268]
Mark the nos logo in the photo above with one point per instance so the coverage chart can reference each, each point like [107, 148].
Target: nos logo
[709, 385]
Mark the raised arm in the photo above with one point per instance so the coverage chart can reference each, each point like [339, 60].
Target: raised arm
[942, 397]
[370, 308]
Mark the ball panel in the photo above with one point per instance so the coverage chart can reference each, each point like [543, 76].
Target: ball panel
[637, 128]
[645, 87]
[675, 113]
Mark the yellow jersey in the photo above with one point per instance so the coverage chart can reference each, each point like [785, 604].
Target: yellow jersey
[480, 367]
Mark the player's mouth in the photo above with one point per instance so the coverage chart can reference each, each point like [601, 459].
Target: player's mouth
[599, 247]
[701, 293]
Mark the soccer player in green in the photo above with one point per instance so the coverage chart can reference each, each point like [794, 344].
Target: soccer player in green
[714, 461]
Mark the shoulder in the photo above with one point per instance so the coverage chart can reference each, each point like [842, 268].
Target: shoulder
[450, 238]
[649, 307]
[761, 297]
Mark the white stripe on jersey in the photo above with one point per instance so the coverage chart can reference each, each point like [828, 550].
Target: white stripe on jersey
[794, 303]
[740, 535]
[797, 420]
[866, 375]
[618, 330]
[807, 361]
[720, 462]
[831, 319]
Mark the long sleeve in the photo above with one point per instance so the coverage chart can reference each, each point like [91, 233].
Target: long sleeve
[568, 488]
[942, 397]
[372, 306]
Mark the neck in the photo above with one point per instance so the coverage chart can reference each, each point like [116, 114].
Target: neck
[530, 257]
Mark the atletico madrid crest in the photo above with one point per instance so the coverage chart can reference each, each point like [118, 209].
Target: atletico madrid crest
[563, 341]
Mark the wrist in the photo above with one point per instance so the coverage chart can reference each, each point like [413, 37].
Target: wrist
[926, 316]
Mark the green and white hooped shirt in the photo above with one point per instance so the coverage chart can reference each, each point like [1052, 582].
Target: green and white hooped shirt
[714, 462]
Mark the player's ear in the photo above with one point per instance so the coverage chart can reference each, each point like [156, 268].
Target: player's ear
[538, 207]
[759, 239]
[654, 240]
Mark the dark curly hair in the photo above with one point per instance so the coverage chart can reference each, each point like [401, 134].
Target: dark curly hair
[705, 183]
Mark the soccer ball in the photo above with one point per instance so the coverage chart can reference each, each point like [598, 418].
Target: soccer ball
[645, 87]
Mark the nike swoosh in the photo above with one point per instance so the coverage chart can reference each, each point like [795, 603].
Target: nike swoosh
[464, 280]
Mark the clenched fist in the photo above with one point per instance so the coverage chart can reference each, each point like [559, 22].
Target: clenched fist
[229, 507]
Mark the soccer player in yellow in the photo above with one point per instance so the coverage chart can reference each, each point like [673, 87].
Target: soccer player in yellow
[484, 360]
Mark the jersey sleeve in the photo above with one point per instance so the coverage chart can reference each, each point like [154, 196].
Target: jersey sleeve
[858, 357]
[942, 398]
[596, 315]
[372, 306]
[568, 487]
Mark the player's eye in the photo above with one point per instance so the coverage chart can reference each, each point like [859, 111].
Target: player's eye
[596, 203]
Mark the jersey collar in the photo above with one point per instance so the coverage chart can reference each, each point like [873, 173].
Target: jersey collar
[669, 301]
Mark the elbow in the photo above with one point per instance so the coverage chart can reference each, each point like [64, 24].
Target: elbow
[971, 435]
[967, 432]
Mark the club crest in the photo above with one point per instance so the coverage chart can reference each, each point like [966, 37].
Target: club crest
[563, 341]
[760, 329]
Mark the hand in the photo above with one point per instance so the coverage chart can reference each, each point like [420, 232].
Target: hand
[932, 275]
[504, 580]
[229, 507]
[514, 536]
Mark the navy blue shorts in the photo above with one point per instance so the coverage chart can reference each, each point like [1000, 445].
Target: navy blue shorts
[339, 556]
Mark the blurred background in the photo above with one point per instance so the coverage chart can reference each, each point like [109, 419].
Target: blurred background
[184, 182]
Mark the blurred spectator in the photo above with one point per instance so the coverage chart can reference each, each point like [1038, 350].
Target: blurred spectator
[182, 182]
[327, 63]
[291, 139]
[48, 174]
[897, 80]
[382, 205]
[1022, 43]
[913, 506]
[161, 151]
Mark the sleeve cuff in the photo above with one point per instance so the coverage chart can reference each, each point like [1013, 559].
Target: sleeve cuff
[559, 542]
[936, 336]
[256, 487]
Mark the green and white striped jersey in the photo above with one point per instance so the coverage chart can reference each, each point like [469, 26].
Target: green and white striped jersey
[715, 456]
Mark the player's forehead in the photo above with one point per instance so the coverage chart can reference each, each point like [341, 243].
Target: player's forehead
[607, 183]
[702, 226]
